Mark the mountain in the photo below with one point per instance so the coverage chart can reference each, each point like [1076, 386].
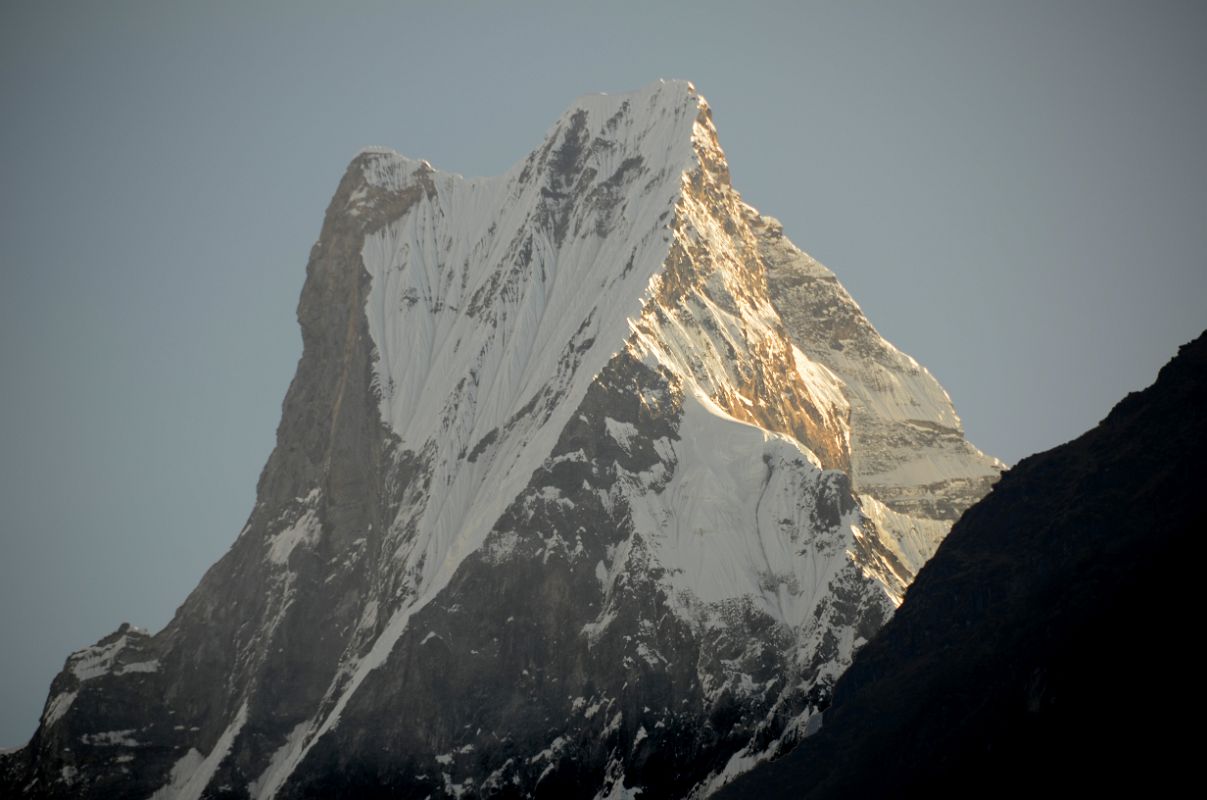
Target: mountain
[588, 483]
[1046, 647]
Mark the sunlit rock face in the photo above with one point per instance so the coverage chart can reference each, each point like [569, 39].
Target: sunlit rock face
[588, 482]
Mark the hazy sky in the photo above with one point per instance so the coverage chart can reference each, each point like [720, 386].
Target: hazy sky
[1015, 192]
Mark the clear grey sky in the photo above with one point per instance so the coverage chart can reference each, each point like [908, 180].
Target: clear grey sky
[1016, 193]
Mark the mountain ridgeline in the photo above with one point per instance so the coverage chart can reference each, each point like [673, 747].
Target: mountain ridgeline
[588, 483]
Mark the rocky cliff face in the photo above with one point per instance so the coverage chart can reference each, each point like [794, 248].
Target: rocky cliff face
[588, 482]
[1044, 649]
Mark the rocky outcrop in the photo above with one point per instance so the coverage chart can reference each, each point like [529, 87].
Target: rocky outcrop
[908, 444]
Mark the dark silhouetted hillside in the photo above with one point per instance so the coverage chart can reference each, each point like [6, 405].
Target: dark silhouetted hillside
[1048, 645]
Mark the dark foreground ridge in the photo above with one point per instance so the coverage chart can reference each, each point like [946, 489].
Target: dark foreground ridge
[1046, 646]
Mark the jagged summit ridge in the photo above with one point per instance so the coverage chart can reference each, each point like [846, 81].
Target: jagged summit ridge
[559, 503]
[508, 281]
[655, 123]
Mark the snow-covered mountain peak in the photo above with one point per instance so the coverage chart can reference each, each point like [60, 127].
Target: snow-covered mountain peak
[670, 92]
[660, 114]
[587, 478]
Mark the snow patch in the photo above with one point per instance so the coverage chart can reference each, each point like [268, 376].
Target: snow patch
[192, 773]
[139, 666]
[93, 662]
[622, 432]
[729, 524]
[305, 532]
[614, 788]
[275, 773]
[593, 630]
[57, 707]
[111, 739]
